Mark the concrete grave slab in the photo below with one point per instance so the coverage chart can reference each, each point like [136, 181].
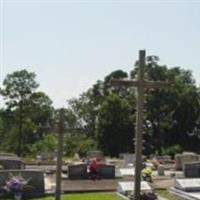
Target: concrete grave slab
[185, 195]
[128, 187]
[11, 162]
[188, 184]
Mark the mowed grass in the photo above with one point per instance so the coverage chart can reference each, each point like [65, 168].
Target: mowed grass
[86, 196]
[167, 195]
[104, 196]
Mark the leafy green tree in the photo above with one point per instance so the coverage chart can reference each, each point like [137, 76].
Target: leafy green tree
[76, 143]
[85, 108]
[18, 87]
[47, 145]
[115, 126]
[40, 111]
[170, 111]
[109, 88]
[30, 112]
[5, 125]
[170, 117]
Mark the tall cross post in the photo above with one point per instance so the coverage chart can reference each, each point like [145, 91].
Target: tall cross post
[61, 130]
[59, 155]
[141, 84]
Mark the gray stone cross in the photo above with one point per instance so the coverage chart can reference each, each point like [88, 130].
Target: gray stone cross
[141, 84]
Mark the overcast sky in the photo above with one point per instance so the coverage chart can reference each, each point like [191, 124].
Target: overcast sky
[72, 44]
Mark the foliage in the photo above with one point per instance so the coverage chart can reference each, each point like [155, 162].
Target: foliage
[47, 145]
[18, 86]
[115, 126]
[171, 150]
[27, 115]
[170, 111]
[76, 143]
[104, 116]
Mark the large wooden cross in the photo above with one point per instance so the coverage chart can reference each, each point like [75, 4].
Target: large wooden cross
[141, 84]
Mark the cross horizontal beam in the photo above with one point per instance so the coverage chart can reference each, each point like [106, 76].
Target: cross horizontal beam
[155, 84]
[135, 83]
[127, 83]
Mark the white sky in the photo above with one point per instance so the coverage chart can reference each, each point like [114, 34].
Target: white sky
[72, 44]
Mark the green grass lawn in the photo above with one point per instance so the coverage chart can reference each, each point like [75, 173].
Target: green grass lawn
[104, 196]
[87, 196]
[167, 195]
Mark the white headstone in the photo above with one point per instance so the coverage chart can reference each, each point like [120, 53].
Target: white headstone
[129, 159]
[127, 171]
[126, 188]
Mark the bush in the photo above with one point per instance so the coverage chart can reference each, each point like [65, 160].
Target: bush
[172, 150]
[78, 144]
[47, 145]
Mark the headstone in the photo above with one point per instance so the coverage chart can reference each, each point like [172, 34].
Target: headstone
[129, 159]
[78, 171]
[188, 184]
[192, 170]
[186, 157]
[127, 171]
[107, 171]
[161, 170]
[126, 188]
[10, 162]
[35, 186]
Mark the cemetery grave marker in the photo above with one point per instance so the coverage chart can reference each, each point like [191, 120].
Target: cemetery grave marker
[186, 157]
[141, 84]
[35, 187]
[191, 170]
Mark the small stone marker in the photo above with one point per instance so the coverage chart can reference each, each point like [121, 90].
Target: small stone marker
[161, 170]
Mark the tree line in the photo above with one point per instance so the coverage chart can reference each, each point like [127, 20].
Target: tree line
[103, 117]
